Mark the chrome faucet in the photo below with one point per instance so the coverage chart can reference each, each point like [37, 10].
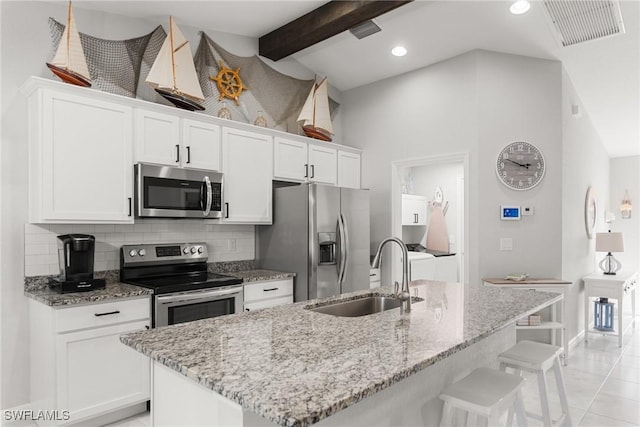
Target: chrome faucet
[403, 294]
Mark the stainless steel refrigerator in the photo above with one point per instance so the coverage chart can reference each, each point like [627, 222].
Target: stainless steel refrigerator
[322, 234]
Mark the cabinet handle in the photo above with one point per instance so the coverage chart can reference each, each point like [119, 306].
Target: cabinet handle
[313, 171]
[246, 309]
[415, 218]
[188, 154]
[129, 205]
[306, 170]
[227, 209]
[270, 289]
[177, 153]
[107, 313]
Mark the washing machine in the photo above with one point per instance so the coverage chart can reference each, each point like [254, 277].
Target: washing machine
[422, 266]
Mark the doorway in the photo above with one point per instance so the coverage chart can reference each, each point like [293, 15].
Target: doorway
[440, 181]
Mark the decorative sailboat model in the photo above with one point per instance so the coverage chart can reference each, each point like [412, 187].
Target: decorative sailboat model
[315, 115]
[69, 62]
[173, 74]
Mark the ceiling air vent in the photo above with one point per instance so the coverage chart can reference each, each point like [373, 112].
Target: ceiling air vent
[578, 21]
[365, 29]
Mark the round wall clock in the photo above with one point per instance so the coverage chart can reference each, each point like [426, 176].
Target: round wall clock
[590, 212]
[520, 166]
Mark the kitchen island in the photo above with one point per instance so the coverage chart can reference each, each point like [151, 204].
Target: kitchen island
[294, 367]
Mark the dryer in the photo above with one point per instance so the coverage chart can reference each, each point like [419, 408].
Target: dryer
[421, 266]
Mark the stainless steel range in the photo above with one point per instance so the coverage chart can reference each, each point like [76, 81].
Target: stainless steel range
[183, 289]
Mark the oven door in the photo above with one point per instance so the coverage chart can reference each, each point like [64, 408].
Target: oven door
[164, 191]
[182, 307]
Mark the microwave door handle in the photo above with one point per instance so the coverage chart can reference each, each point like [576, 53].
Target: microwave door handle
[207, 202]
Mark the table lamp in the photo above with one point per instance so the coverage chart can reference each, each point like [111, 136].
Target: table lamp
[609, 242]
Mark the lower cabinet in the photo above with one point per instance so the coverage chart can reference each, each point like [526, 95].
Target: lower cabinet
[269, 293]
[78, 363]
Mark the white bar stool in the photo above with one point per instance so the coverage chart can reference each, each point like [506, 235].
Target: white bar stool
[538, 358]
[485, 392]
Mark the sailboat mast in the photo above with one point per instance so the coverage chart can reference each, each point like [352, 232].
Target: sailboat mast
[69, 36]
[173, 60]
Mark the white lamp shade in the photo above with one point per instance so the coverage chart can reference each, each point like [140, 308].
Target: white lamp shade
[609, 242]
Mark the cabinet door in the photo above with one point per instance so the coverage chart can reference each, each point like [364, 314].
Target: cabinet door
[247, 164]
[323, 164]
[348, 169]
[414, 210]
[200, 145]
[81, 161]
[290, 160]
[98, 373]
[157, 138]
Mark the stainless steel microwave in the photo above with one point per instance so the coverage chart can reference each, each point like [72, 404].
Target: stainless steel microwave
[170, 192]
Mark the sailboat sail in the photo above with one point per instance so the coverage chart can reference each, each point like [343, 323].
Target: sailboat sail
[173, 68]
[315, 112]
[70, 55]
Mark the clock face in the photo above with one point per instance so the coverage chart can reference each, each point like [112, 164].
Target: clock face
[520, 166]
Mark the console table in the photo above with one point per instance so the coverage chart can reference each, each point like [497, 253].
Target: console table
[558, 316]
[619, 287]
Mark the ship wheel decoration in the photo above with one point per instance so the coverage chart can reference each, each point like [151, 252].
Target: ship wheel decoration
[229, 83]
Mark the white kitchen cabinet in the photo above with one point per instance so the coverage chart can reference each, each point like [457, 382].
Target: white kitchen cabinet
[306, 162]
[348, 169]
[78, 362]
[323, 164]
[414, 210]
[247, 166]
[269, 293]
[166, 139]
[80, 159]
[290, 160]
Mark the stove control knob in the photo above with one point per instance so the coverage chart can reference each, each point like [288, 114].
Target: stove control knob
[132, 253]
[185, 250]
[200, 249]
[193, 250]
[142, 252]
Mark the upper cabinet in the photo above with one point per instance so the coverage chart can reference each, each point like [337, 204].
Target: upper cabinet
[307, 162]
[80, 159]
[348, 169]
[248, 170]
[169, 140]
[414, 210]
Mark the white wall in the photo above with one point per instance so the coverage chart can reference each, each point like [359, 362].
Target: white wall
[25, 47]
[475, 103]
[585, 163]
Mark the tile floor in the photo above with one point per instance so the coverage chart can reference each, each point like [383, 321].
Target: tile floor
[602, 380]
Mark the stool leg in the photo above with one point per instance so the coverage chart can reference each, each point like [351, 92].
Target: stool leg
[447, 415]
[562, 392]
[544, 399]
[520, 412]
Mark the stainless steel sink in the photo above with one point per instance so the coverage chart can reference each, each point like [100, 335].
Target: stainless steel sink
[359, 307]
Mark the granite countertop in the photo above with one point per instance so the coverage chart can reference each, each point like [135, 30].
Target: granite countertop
[296, 367]
[112, 291]
[260, 275]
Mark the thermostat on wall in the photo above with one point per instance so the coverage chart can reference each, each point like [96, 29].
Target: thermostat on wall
[510, 213]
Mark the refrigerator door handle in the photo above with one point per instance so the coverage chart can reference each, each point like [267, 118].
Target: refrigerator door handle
[344, 253]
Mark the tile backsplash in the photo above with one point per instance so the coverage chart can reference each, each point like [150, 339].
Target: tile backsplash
[225, 242]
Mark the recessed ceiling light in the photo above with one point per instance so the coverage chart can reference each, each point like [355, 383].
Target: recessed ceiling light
[399, 51]
[519, 7]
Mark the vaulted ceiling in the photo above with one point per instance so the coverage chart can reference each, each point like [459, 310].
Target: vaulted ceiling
[605, 72]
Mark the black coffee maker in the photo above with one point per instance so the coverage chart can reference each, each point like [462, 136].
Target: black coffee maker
[75, 257]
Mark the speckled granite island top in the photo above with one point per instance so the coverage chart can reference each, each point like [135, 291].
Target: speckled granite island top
[296, 367]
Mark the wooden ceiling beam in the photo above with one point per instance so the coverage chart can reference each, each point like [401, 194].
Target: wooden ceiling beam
[326, 21]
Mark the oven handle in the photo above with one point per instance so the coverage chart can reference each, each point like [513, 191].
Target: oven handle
[209, 295]
[207, 203]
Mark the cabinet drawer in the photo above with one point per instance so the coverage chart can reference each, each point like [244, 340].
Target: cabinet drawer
[271, 289]
[268, 303]
[103, 314]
